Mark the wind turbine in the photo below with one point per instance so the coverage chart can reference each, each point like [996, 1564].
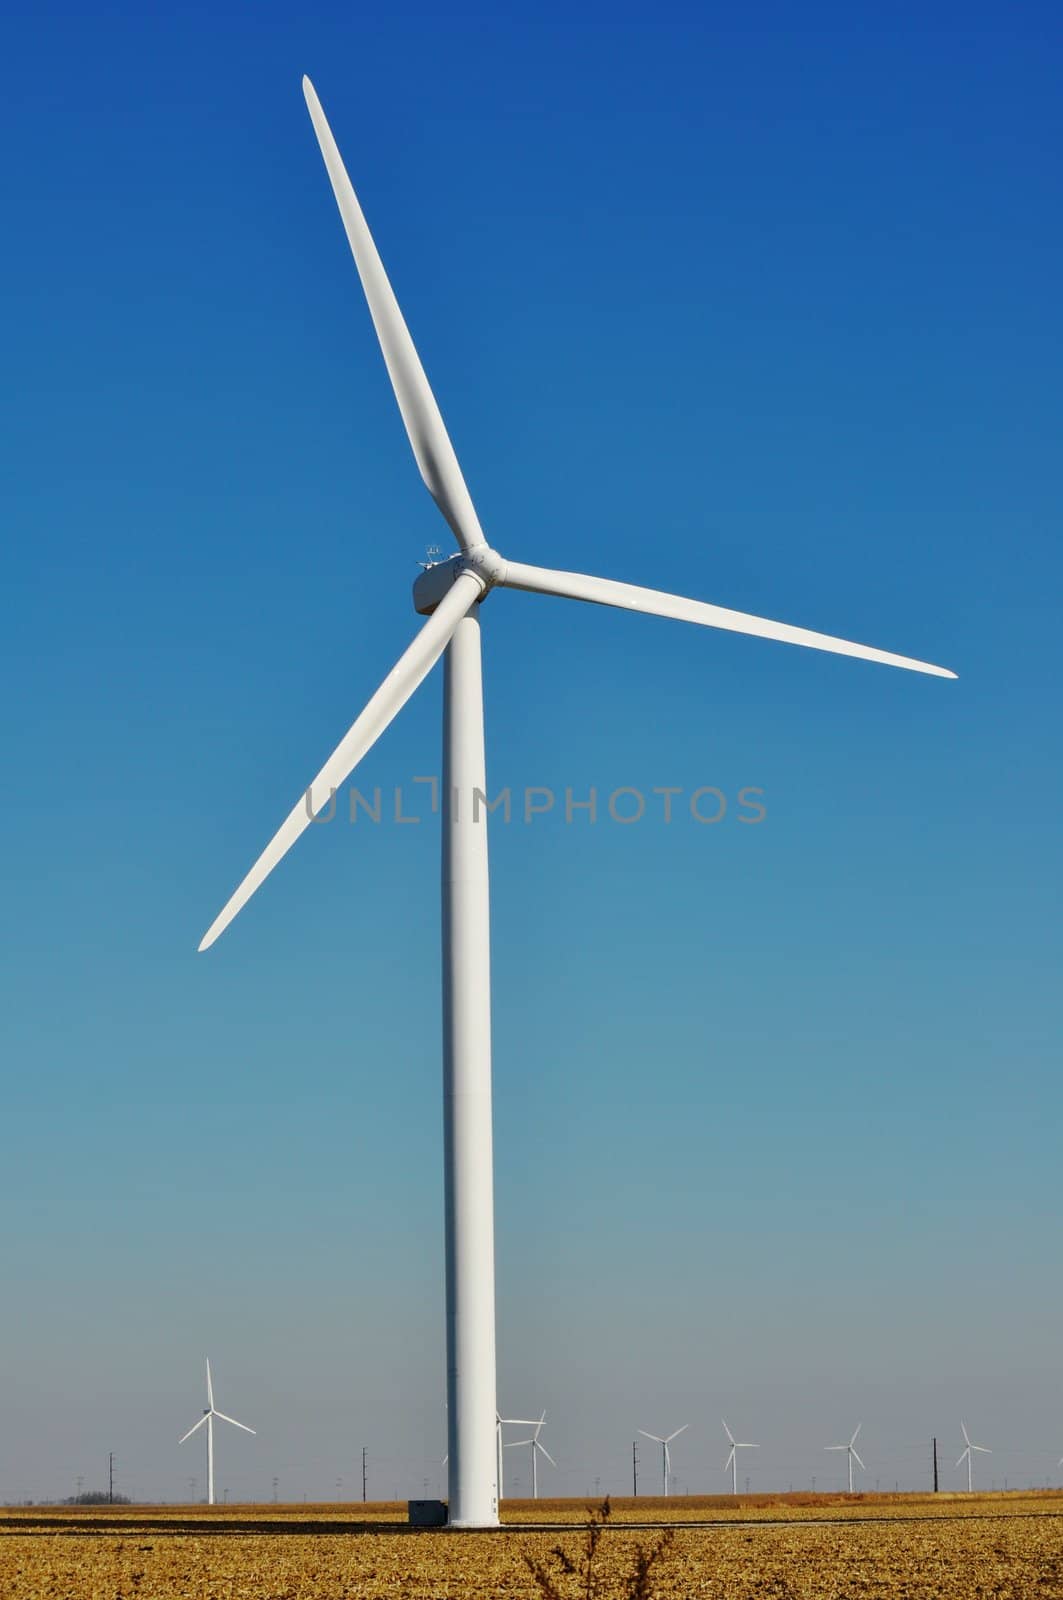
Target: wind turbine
[732, 1459]
[967, 1454]
[208, 1416]
[508, 1422]
[537, 1446]
[852, 1455]
[450, 594]
[666, 1457]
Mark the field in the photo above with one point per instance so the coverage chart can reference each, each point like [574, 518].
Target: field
[915, 1547]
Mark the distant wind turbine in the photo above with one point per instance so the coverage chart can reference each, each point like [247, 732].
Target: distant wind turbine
[537, 1446]
[666, 1459]
[208, 1417]
[500, 1423]
[732, 1459]
[851, 1449]
[981, 1448]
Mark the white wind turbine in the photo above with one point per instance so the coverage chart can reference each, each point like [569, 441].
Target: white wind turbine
[450, 593]
[732, 1459]
[537, 1446]
[850, 1448]
[208, 1416]
[666, 1455]
[982, 1449]
[506, 1422]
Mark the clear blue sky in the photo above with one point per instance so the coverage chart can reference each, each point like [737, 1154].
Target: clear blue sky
[765, 315]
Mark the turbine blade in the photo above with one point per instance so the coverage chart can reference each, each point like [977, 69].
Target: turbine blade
[192, 1430]
[835, 1447]
[963, 1430]
[654, 1436]
[412, 667]
[730, 1458]
[424, 426]
[963, 1458]
[856, 1458]
[210, 1387]
[728, 1432]
[629, 597]
[677, 1432]
[856, 1430]
[511, 1444]
[224, 1418]
[984, 1448]
[546, 1453]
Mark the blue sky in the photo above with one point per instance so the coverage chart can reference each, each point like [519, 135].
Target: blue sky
[765, 315]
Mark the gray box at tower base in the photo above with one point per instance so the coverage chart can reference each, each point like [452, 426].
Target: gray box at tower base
[427, 1513]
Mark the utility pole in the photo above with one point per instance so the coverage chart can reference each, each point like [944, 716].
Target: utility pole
[935, 1465]
[363, 1474]
[81, 1480]
[635, 1467]
[110, 1477]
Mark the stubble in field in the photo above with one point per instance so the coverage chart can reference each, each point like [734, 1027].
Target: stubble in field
[1005, 1552]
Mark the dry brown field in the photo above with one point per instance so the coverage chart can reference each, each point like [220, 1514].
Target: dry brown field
[792, 1547]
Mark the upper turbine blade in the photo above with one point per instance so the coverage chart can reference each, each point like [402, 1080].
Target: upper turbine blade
[424, 425]
[210, 1388]
[630, 597]
[412, 667]
[234, 1422]
[193, 1428]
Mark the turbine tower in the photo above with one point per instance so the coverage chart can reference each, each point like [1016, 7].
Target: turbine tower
[732, 1459]
[537, 1447]
[967, 1454]
[450, 594]
[850, 1448]
[208, 1416]
[666, 1456]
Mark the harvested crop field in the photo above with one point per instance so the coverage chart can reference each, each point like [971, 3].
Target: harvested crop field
[949, 1548]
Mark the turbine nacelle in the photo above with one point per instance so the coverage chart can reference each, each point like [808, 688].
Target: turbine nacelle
[431, 584]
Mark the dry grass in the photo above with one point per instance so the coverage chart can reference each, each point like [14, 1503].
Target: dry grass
[1008, 1547]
